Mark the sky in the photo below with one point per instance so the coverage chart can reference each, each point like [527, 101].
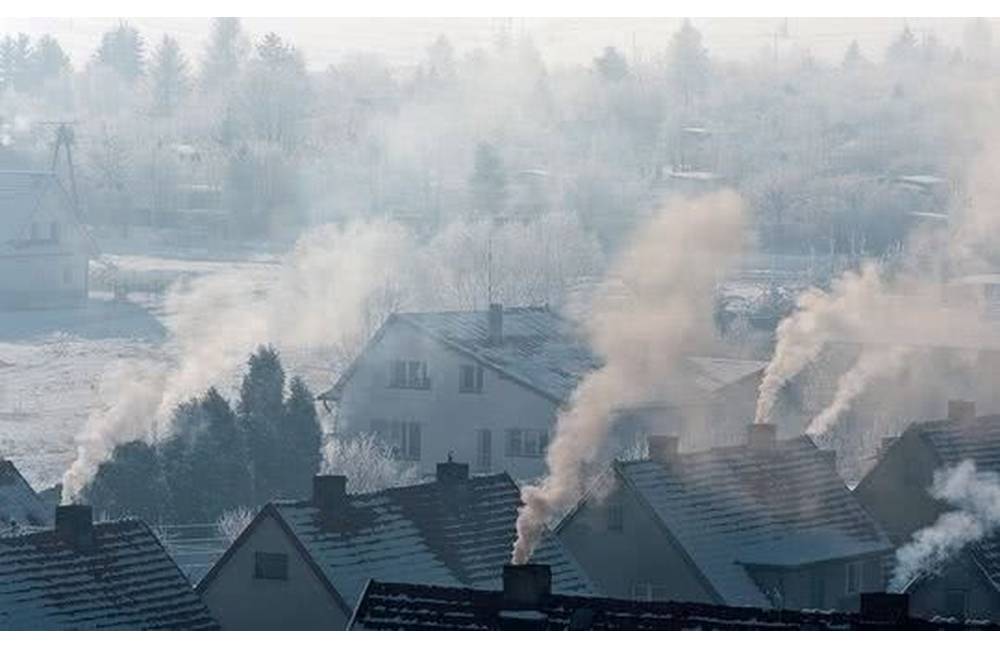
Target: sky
[402, 41]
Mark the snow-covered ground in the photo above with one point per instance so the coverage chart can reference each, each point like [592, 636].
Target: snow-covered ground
[52, 360]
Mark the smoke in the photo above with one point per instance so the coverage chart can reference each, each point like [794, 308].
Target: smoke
[819, 318]
[669, 273]
[874, 363]
[330, 292]
[976, 496]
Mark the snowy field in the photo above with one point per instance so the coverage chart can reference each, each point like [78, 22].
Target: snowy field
[52, 360]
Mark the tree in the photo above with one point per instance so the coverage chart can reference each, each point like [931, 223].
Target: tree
[977, 40]
[303, 435]
[489, 181]
[130, 483]
[853, 59]
[15, 69]
[611, 65]
[124, 51]
[225, 54]
[903, 50]
[48, 60]
[367, 462]
[441, 60]
[220, 459]
[688, 63]
[276, 92]
[260, 418]
[170, 77]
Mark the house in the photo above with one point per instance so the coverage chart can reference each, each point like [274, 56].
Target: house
[526, 602]
[487, 387]
[896, 492]
[20, 505]
[767, 523]
[44, 249]
[303, 564]
[82, 575]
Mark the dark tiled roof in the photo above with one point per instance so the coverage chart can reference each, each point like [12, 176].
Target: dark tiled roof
[433, 533]
[126, 582]
[19, 504]
[782, 505]
[394, 606]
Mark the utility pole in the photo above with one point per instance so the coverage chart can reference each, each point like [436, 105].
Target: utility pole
[64, 140]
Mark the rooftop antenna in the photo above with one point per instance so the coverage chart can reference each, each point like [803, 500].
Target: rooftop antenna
[64, 140]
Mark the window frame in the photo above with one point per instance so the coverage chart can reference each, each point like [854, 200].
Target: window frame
[531, 443]
[474, 385]
[852, 569]
[409, 373]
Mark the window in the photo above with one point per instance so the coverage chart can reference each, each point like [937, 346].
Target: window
[616, 515]
[484, 450]
[853, 578]
[648, 592]
[408, 374]
[470, 379]
[956, 603]
[403, 437]
[527, 443]
[270, 566]
[54, 231]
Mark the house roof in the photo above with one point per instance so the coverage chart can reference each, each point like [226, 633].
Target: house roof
[20, 505]
[126, 582]
[436, 533]
[732, 507]
[395, 606]
[543, 351]
[22, 195]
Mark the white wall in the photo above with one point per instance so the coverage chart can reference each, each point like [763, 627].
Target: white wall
[449, 419]
[239, 601]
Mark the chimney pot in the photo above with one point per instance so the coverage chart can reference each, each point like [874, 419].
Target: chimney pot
[526, 584]
[662, 449]
[761, 435]
[451, 472]
[329, 492]
[961, 411]
[496, 324]
[75, 526]
[885, 607]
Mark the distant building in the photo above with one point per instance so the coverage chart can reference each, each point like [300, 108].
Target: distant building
[526, 603]
[303, 564]
[486, 386]
[767, 523]
[82, 575]
[44, 250]
[20, 505]
[896, 492]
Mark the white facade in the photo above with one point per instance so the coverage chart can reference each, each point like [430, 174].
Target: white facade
[449, 420]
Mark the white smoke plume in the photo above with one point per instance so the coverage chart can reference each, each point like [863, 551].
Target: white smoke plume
[872, 364]
[976, 496]
[669, 272]
[330, 291]
[819, 318]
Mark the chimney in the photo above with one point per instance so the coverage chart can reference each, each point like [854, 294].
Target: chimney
[526, 584]
[329, 493]
[761, 435]
[961, 411]
[496, 324]
[450, 472]
[75, 526]
[662, 449]
[884, 607]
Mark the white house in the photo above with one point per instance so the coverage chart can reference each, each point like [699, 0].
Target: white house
[44, 250]
[486, 387]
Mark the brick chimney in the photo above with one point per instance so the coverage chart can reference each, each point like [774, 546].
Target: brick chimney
[75, 526]
[526, 584]
[761, 435]
[884, 607]
[450, 472]
[662, 449]
[961, 411]
[329, 493]
[496, 324]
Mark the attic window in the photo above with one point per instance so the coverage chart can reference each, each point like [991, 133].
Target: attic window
[270, 566]
[408, 374]
[470, 379]
[956, 603]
